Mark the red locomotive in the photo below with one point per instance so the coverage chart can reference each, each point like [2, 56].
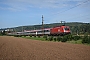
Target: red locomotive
[60, 30]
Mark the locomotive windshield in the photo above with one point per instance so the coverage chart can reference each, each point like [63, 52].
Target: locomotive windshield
[66, 28]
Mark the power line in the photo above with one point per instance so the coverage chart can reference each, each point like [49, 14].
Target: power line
[73, 7]
[80, 16]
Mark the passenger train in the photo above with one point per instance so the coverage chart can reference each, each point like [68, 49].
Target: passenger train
[59, 30]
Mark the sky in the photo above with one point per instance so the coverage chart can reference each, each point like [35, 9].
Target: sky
[14, 13]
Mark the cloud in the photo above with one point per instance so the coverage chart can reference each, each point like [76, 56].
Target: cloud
[18, 5]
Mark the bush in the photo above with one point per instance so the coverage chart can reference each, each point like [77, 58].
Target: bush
[89, 40]
[2, 33]
[24, 35]
[20, 36]
[64, 39]
[86, 39]
[76, 38]
[38, 36]
[16, 36]
[34, 35]
[45, 36]
[69, 37]
[30, 35]
[59, 38]
[55, 39]
[50, 38]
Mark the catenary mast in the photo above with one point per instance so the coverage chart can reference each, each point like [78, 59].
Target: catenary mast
[42, 25]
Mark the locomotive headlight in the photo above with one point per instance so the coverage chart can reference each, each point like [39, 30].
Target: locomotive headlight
[64, 30]
[58, 30]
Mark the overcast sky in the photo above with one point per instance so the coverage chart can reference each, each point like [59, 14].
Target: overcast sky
[15, 13]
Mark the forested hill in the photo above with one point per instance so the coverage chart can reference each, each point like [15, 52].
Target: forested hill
[76, 27]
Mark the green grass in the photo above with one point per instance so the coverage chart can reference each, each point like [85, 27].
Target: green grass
[35, 38]
[75, 42]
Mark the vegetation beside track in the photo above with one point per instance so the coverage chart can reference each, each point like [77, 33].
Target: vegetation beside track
[67, 38]
[83, 39]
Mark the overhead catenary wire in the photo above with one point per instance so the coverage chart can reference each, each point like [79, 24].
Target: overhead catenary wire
[80, 16]
[71, 8]
[75, 6]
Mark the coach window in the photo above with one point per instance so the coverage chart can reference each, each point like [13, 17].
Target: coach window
[46, 31]
[39, 31]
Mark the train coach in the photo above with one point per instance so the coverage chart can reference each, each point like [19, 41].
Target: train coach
[59, 30]
[38, 32]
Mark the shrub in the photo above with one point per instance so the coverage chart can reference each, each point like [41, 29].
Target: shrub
[55, 39]
[89, 40]
[30, 35]
[24, 35]
[34, 35]
[59, 38]
[64, 39]
[20, 36]
[76, 38]
[16, 36]
[45, 36]
[38, 36]
[0, 33]
[50, 38]
[69, 37]
[85, 39]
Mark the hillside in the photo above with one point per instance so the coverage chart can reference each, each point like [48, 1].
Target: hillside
[76, 27]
